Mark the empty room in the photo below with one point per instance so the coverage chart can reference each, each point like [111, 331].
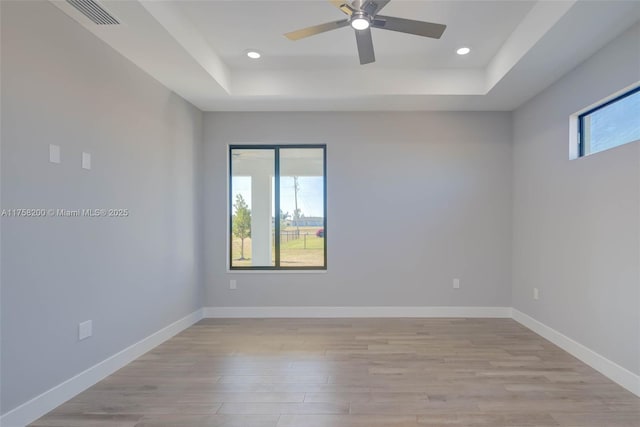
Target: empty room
[320, 213]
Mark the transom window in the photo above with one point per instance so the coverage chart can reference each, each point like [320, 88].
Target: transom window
[277, 207]
[611, 124]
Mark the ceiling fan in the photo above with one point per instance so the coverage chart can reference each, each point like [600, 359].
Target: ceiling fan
[362, 16]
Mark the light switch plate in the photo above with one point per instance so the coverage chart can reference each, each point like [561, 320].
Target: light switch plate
[85, 330]
[54, 153]
[86, 160]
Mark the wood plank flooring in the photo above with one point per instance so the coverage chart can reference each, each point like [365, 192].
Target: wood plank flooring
[353, 373]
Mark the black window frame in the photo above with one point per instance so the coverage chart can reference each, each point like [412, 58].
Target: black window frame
[276, 148]
[581, 116]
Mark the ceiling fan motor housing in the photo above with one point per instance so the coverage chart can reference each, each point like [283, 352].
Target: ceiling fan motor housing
[360, 20]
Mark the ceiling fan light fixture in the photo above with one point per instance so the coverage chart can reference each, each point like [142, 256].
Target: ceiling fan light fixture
[463, 51]
[360, 21]
[362, 16]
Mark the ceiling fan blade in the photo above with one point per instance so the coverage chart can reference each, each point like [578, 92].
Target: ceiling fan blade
[365, 46]
[409, 26]
[343, 5]
[372, 7]
[316, 29]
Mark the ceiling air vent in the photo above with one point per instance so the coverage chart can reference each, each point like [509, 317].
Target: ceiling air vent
[94, 11]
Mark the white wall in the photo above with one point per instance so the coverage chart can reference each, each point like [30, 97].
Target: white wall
[577, 222]
[414, 200]
[131, 276]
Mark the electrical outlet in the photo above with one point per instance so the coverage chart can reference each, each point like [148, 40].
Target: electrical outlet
[456, 283]
[536, 293]
[85, 330]
[233, 284]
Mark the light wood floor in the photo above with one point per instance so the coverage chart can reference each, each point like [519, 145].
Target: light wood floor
[353, 373]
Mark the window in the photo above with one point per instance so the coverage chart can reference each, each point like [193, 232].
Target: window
[611, 124]
[277, 207]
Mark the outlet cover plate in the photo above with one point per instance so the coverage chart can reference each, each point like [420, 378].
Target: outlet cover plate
[85, 330]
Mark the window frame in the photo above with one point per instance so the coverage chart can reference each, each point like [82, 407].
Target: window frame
[276, 149]
[581, 116]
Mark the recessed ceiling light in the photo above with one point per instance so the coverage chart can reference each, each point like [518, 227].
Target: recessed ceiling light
[463, 51]
[360, 22]
[253, 54]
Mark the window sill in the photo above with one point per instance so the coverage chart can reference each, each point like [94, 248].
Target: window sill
[229, 271]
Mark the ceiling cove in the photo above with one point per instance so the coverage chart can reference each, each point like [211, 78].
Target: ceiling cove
[199, 50]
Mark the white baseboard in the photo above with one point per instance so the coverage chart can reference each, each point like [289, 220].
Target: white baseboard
[612, 370]
[49, 400]
[348, 312]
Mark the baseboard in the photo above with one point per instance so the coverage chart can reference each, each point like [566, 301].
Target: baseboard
[353, 311]
[611, 370]
[47, 401]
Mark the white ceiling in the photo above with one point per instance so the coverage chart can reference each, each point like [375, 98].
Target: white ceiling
[197, 49]
[231, 27]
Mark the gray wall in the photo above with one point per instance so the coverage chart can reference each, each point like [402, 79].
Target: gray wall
[414, 200]
[131, 276]
[577, 222]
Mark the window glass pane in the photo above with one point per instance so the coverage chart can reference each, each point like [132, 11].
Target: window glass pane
[252, 207]
[613, 125]
[302, 234]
